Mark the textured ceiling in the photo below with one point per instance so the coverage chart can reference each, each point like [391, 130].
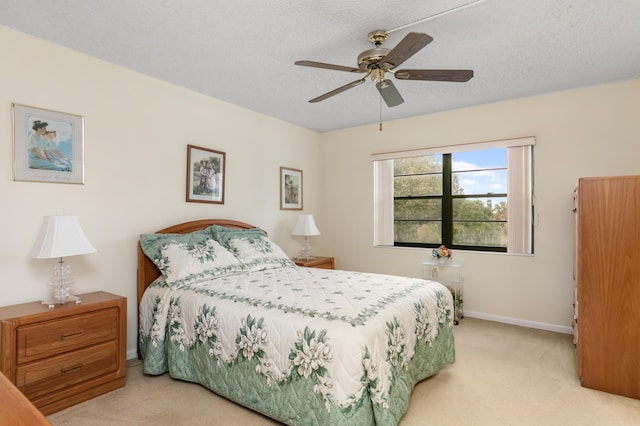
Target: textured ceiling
[243, 52]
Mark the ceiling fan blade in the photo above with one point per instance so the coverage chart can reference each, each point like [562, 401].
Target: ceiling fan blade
[389, 93]
[327, 66]
[407, 47]
[338, 90]
[435, 75]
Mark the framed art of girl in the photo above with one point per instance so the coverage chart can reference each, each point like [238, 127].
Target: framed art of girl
[205, 175]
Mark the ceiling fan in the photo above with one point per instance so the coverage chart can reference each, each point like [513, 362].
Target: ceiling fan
[378, 61]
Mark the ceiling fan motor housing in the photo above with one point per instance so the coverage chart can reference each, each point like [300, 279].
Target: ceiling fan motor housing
[371, 57]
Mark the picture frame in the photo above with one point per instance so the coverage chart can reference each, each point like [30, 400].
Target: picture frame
[48, 146]
[290, 189]
[205, 175]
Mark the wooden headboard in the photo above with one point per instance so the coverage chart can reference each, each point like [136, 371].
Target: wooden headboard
[147, 270]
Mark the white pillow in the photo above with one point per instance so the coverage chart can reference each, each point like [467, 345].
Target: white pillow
[189, 258]
[258, 253]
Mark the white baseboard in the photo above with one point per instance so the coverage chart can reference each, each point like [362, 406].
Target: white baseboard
[132, 354]
[519, 322]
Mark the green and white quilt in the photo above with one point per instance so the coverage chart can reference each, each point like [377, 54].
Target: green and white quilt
[302, 345]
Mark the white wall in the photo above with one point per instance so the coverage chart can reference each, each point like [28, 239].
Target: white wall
[592, 131]
[136, 134]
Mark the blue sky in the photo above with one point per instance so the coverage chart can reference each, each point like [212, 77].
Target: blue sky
[485, 181]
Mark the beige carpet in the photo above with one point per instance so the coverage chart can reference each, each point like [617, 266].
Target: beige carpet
[503, 375]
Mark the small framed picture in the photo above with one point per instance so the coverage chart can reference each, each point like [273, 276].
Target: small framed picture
[290, 189]
[48, 146]
[205, 175]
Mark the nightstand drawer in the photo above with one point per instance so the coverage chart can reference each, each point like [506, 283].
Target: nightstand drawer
[66, 370]
[59, 336]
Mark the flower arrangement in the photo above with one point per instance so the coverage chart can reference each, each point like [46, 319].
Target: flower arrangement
[441, 253]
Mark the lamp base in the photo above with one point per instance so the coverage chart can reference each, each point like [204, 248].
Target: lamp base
[52, 302]
[305, 258]
[60, 283]
[305, 253]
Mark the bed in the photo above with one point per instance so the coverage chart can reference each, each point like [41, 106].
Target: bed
[221, 305]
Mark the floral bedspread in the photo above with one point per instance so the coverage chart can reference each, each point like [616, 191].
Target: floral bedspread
[302, 345]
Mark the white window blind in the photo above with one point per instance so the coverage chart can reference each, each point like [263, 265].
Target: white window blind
[519, 200]
[383, 202]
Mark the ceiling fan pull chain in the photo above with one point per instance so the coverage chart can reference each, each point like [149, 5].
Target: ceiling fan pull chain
[380, 128]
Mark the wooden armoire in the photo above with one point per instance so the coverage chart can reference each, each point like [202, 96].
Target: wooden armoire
[607, 283]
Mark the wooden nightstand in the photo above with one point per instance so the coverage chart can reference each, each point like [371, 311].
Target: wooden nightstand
[61, 356]
[316, 262]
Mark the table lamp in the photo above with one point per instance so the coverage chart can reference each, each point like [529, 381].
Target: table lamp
[60, 236]
[306, 227]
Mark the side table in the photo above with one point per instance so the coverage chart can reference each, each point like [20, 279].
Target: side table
[316, 262]
[451, 275]
[61, 356]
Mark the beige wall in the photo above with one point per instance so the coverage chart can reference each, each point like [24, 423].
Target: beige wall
[593, 131]
[136, 132]
[137, 129]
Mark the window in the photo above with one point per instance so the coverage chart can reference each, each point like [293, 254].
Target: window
[471, 197]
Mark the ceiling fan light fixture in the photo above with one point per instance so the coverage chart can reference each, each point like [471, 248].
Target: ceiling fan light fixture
[377, 75]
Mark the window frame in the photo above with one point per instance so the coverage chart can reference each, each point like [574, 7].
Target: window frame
[520, 195]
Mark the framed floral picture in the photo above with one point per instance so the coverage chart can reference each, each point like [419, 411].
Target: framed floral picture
[290, 189]
[205, 175]
[48, 146]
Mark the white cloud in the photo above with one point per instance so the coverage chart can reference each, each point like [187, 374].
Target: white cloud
[486, 181]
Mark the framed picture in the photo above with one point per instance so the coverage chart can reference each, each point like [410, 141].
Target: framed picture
[205, 175]
[290, 189]
[48, 146]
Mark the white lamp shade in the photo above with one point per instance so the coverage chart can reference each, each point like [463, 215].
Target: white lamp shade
[60, 236]
[305, 226]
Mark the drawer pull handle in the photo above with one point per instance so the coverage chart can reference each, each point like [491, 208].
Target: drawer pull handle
[71, 369]
[66, 336]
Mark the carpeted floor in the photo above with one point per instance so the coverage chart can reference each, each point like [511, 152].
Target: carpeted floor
[503, 375]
